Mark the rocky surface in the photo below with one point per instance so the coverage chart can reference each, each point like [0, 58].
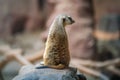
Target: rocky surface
[31, 72]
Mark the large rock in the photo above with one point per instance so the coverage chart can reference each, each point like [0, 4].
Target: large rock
[31, 72]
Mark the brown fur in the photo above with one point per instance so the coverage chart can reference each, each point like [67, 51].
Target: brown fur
[56, 53]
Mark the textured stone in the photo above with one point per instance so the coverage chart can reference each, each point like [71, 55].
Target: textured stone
[31, 72]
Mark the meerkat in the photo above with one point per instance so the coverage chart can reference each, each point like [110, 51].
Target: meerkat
[56, 54]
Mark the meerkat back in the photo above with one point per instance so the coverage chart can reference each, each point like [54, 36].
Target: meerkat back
[56, 53]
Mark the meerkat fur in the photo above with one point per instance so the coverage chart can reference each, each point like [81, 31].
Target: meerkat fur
[56, 53]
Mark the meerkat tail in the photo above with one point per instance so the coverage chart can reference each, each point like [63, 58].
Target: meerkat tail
[60, 66]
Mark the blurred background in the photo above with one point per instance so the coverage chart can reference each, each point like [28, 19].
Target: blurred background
[94, 38]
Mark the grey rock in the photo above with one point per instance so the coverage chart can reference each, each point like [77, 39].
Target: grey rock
[40, 72]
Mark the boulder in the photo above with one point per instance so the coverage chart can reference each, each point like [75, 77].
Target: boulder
[40, 72]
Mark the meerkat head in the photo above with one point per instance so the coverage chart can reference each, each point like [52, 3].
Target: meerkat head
[66, 19]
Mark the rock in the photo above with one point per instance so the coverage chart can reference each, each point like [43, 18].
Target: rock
[31, 72]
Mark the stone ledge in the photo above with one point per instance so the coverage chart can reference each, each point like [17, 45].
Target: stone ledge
[31, 72]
